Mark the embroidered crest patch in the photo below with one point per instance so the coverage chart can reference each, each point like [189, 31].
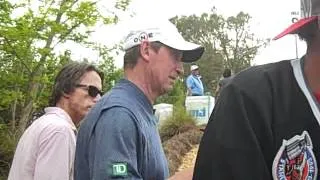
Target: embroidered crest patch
[295, 160]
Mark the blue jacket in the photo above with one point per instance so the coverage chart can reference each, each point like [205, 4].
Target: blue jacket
[119, 138]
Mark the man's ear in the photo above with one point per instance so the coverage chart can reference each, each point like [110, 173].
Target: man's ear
[145, 50]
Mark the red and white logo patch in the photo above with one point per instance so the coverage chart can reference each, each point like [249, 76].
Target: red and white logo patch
[295, 160]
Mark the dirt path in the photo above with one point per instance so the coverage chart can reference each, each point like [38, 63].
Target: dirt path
[185, 171]
[189, 159]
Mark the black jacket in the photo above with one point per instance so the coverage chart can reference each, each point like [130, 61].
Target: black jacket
[266, 122]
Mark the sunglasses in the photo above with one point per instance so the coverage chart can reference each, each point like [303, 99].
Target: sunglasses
[92, 90]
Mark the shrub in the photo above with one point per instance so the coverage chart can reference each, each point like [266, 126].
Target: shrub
[179, 122]
[8, 142]
[176, 96]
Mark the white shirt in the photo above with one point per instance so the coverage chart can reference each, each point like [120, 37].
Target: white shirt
[46, 149]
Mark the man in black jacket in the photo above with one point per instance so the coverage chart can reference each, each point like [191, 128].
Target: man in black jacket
[265, 124]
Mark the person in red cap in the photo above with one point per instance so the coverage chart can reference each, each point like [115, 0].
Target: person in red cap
[265, 124]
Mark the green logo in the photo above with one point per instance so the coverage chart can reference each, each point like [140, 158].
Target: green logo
[119, 169]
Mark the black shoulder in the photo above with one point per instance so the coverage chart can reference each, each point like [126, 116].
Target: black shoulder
[262, 77]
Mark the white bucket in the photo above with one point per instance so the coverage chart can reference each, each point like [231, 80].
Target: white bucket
[200, 107]
[163, 111]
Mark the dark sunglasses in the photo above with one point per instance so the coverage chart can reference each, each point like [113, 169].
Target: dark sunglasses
[92, 90]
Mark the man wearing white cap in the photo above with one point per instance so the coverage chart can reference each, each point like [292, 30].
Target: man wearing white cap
[119, 138]
[194, 83]
[266, 123]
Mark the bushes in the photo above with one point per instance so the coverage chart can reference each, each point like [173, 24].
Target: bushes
[178, 133]
[179, 122]
[176, 96]
[8, 141]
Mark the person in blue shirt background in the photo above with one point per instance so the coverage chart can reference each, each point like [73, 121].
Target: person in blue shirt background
[194, 83]
[119, 138]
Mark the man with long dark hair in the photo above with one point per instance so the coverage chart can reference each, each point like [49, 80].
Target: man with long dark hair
[46, 149]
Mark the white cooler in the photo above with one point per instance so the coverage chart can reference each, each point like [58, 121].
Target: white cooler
[162, 112]
[200, 107]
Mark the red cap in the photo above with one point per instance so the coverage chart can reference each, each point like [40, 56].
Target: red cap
[294, 28]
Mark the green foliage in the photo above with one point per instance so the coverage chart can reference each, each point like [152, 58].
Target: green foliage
[8, 141]
[28, 60]
[122, 4]
[178, 133]
[228, 43]
[176, 96]
[111, 73]
[179, 122]
[30, 34]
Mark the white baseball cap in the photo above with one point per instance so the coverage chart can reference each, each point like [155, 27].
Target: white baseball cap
[166, 33]
[194, 67]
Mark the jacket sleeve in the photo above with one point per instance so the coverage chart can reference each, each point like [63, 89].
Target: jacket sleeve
[237, 137]
[117, 143]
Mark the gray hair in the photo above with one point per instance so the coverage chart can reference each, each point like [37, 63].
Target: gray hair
[131, 55]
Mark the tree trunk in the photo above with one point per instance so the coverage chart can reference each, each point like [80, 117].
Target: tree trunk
[14, 109]
[26, 113]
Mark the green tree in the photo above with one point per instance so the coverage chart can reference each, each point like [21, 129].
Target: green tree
[28, 60]
[30, 31]
[176, 96]
[228, 43]
[111, 73]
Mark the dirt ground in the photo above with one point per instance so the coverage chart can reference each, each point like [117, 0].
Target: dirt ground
[185, 171]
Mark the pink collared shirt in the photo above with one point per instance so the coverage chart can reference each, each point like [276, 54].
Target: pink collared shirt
[46, 149]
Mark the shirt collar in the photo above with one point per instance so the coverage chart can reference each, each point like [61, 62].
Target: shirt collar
[61, 113]
[138, 93]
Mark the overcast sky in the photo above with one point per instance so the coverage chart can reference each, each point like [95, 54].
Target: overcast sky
[269, 18]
